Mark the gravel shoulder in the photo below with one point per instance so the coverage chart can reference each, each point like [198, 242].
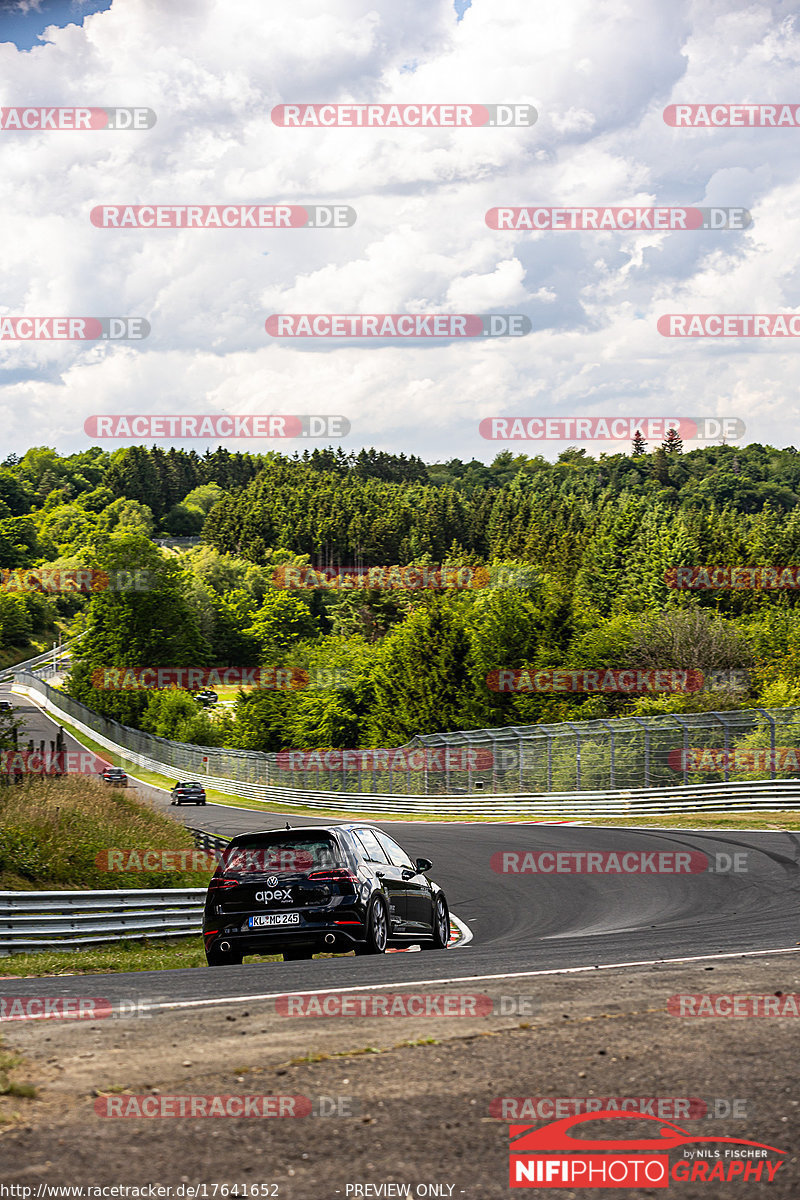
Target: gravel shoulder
[410, 1095]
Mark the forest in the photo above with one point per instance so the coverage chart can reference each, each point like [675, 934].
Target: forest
[571, 567]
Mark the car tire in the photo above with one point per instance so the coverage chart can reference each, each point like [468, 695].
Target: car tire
[377, 929]
[441, 924]
[215, 958]
[298, 953]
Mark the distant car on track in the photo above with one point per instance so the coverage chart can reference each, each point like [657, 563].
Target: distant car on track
[115, 776]
[207, 698]
[188, 792]
[297, 892]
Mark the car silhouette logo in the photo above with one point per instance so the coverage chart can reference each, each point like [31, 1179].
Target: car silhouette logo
[557, 1137]
[273, 879]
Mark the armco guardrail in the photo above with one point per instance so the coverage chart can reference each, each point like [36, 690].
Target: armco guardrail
[253, 778]
[56, 921]
[210, 842]
[39, 660]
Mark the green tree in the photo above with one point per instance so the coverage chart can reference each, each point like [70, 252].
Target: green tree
[282, 620]
[423, 677]
[151, 627]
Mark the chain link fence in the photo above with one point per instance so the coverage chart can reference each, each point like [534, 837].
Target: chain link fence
[662, 751]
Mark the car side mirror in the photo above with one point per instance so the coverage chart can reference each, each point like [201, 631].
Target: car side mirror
[423, 865]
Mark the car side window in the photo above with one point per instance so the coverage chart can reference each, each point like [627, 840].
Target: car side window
[352, 844]
[397, 856]
[372, 846]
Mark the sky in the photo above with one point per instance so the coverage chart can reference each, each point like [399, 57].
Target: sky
[599, 76]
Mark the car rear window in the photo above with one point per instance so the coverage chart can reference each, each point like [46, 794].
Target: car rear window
[282, 852]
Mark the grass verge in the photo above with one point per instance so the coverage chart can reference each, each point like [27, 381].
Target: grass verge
[56, 833]
[151, 955]
[712, 820]
[166, 955]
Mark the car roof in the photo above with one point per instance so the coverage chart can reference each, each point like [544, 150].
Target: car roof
[329, 829]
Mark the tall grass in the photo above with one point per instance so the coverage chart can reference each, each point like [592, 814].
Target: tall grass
[52, 831]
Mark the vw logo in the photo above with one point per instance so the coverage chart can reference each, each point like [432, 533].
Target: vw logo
[273, 879]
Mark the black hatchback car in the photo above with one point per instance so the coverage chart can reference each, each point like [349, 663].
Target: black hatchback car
[300, 891]
[188, 792]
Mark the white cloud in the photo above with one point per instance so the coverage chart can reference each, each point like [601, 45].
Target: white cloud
[599, 76]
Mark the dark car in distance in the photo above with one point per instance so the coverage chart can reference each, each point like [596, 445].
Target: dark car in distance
[188, 792]
[207, 698]
[336, 888]
[115, 776]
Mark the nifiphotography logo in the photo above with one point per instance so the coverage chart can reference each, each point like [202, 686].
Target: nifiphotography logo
[553, 1157]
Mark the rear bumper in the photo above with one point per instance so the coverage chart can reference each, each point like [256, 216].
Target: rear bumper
[275, 941]
[321, 929]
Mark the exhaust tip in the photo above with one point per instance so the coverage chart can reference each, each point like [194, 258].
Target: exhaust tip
[225, 947]
[330, 938]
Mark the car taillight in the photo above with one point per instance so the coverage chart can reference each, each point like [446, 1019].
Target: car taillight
[334, 875]
[218, 883]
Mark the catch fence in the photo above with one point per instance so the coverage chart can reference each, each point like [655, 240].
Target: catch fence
[587, 757]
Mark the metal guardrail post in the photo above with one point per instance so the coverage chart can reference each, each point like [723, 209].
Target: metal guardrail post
[643, 722]
[726, 743]
[577, 754]
[612, 771]
[685, 729]
[771, 720]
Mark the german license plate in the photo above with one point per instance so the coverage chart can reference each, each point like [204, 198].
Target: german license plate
[274, 919]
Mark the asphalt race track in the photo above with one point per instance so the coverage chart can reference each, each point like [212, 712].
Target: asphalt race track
[520, 922]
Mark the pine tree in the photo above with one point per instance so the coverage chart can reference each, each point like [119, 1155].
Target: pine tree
[639, 445]
[673, 442]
